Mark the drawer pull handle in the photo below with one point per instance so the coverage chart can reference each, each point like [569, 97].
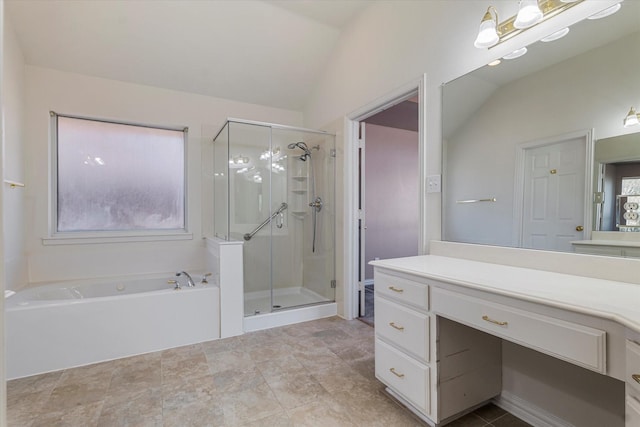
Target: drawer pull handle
[496, 322]
[393, 371]
[394, 326]
[398, 290]
[636, 378]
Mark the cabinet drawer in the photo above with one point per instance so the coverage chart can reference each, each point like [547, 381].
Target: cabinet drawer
[633, 366]
[404, 375]
[632, 412]
[401, 289]
[404, 327]
[578, 344]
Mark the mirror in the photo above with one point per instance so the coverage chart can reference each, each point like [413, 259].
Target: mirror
[518, 138]
[617, 174]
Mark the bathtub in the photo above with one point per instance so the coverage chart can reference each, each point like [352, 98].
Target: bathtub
[64, 325]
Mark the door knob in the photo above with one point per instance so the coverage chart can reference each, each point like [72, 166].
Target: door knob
[579, 228]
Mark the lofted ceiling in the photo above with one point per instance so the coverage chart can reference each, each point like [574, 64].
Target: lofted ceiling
[268, 52]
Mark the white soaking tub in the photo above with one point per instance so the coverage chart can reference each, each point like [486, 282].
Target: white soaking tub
[63, 325]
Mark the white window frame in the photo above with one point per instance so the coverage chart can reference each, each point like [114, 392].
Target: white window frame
[56, 237]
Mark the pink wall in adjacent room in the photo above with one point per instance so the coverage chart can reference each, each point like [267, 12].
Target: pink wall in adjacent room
[391, 193]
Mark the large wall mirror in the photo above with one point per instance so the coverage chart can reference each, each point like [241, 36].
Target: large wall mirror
[525, 142]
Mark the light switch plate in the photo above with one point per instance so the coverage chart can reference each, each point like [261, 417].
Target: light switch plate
[433, 184]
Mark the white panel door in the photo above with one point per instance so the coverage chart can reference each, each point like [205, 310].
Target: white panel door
[554, 189]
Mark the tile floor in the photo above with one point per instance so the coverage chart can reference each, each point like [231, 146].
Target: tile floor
[318, 373]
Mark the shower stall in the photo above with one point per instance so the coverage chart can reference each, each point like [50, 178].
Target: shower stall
[273, 188]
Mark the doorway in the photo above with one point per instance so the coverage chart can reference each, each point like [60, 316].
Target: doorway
[389, 192]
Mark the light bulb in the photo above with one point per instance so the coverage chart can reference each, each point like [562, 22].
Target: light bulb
[487, 34]
[529, 14]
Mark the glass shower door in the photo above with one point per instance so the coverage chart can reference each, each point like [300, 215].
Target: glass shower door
[303, 244]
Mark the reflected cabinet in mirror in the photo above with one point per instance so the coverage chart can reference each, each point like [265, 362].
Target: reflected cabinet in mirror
[522, 144]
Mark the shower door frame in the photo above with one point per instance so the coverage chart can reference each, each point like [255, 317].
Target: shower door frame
[272, 126]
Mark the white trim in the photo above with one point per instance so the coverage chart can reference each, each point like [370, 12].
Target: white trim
[368, 282]
[528, 412]
[289, 317]
[350, 274]
[518, 189]
[84, 239]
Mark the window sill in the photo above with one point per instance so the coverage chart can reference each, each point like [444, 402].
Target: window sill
[87, 239]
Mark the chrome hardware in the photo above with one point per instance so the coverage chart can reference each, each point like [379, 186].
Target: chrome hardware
[175, 283]
[394, 326]
[317, 204]
[490, 199]
[393, 371]
[398, 290]
[281, 209]
[204, 278]
[190, 282]
[496, 322]
[579, 228]
[636, 378]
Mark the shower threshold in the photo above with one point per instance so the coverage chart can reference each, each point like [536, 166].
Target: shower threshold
[258, 303]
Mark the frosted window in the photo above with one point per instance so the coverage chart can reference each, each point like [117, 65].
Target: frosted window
[116, 177]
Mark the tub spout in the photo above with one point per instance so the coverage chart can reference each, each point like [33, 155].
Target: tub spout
[190, 282]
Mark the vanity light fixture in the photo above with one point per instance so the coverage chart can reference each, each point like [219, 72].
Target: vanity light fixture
[632, 118]
[606, 12]
[530, 13]
[516, 53]
[555, 36]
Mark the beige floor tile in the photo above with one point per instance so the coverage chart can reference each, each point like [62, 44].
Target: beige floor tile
[236, 380]
[34, 383]
[319, 413]
[280, 420]
[179, 368]
[79, 416]
[205, 413]
[24, 408]
[193, 390]
[226, 360]
[143, 411]
[293, 390]
[222, 345]
[133, 374]
[276, 368]
[76, 394]
[252, 404]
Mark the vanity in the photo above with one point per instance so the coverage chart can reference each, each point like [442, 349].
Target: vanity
[440, 323]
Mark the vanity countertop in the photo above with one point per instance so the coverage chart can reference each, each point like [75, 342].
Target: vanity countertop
[617, 243]
[618, 301]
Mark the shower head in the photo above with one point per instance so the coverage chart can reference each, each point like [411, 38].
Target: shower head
[301, 145]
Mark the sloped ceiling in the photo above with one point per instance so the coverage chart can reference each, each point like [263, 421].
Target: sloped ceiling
[261, 52]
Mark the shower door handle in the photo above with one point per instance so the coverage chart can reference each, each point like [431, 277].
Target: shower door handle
[317, 204]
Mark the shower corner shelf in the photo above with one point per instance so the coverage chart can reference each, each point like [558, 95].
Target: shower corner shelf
[300, 214]
[299, 178]
[299, 191]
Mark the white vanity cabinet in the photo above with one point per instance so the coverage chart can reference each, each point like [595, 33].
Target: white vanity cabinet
[435, 367]
[403, 338]
[441, 321]
[632, 379]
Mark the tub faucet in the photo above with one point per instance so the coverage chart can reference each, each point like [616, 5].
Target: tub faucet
[190, 282]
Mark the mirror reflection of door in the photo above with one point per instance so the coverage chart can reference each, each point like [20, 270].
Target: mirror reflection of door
[554, 188]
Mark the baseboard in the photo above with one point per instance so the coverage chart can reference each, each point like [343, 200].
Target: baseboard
[524, 410]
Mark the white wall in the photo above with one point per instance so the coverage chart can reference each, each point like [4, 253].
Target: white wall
[3, 384]
[13, 214]
[68, 93]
